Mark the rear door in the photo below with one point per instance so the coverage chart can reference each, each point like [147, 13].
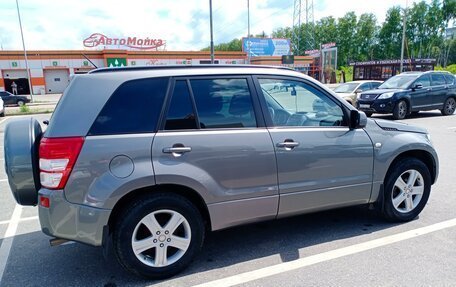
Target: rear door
[213, 140]
[322, 163]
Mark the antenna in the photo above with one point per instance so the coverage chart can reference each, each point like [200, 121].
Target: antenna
[301, 6]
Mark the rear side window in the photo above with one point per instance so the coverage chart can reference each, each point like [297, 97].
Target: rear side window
[223, 103]
[449, 79]
[438, 79]
[133, 108]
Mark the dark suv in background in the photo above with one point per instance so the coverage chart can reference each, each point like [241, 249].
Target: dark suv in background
[411, 92]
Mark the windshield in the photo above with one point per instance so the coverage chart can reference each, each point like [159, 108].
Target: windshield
[346, 88]
[398, 82]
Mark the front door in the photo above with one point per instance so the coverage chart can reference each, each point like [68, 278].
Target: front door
[214, 141]
[322, 163]
[421, 98]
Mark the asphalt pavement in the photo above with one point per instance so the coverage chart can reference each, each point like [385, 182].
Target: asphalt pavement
[345, 247]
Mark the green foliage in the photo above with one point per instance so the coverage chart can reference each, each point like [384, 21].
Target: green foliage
[233, 45]
[450, 68]
[24, 109]
[362, 39]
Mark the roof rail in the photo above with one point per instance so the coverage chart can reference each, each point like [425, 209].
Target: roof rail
[170, 67]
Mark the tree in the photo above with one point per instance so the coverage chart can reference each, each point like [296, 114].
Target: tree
[366, 36]
[390, 35]
[347, 42]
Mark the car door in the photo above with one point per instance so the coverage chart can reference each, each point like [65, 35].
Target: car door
[439, 90]
[421, 98]
[213, 140]
[321, 162]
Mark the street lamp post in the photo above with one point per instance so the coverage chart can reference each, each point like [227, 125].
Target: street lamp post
[248, 31]
[25, 53]
[212, 34]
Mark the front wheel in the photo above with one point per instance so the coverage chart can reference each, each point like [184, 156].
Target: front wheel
[20, 103]
[407, 189]
[400, 110]
[158, 236]
[448, 107]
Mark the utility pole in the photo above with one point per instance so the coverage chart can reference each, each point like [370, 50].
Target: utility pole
[248, 31]
[212, 34]
[404, 24]
[25, 53]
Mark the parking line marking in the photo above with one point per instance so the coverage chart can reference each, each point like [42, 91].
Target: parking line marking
[20, 220]
[2, 180]
[5, 248]
[326, 256]
[452, 128]
[1, 121]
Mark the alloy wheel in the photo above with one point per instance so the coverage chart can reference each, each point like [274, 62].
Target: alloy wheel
[408, 191]
[161, 238]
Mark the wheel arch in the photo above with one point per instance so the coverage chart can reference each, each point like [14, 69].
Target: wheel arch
[184, 191]
[421, 155]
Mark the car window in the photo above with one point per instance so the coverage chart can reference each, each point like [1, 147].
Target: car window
[300, 104]
[133, 108]
[223, 103]
[375, 85]
[344, 88]
[424, 80]
[364, 87]
[180, 112]
[3, 94]
[438, 79]
[450, 79]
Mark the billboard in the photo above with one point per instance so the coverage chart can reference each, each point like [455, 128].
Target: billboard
[266, 46]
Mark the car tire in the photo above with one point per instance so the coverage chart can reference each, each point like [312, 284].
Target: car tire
[2, 114]
[155, 245]
[20, 103]
[368, 114]
[448, 107]
[407, 188]
[400, 110]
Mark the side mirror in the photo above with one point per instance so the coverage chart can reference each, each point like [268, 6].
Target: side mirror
[358, 119]
[358, 91]
[417, 87]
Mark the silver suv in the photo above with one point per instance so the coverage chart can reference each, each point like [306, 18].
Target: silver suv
[145, 161]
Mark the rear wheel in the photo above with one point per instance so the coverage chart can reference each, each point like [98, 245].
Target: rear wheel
[407, 189]
[158, 236]
[400, 110]
[448, 107]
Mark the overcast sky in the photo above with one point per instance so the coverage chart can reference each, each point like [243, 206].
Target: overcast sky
[184, 24]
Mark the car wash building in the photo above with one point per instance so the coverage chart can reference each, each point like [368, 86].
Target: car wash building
[51, 70]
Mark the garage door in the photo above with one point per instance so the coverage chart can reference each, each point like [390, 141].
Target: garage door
[56, 81]
[16, 78]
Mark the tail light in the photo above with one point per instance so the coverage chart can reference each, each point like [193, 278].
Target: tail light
[57, 158]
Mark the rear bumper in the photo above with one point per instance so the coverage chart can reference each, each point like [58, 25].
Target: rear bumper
[72, 221]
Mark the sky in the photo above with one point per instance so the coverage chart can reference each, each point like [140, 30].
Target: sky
[183, 24]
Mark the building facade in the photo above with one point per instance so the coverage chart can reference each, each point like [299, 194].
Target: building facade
[51, 70]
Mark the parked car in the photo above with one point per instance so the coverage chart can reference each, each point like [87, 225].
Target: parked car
[411, 92]
[10, 99]
[207, 148]
[350, 91]
[2, 108]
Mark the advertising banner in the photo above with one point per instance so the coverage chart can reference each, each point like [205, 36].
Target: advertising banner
[266, 46]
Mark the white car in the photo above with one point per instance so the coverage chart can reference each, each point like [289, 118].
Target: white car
[2, 108]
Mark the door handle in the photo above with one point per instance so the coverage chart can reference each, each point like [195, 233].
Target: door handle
[288, 144]
[177, 149]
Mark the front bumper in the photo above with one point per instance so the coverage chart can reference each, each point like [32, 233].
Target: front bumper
[385, 106]
[71, 221]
